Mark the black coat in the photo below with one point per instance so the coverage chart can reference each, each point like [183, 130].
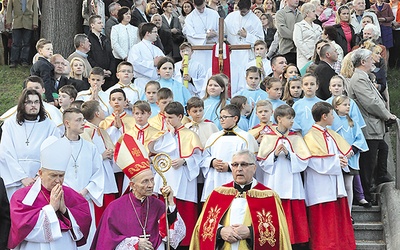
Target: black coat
[100, 55]
[127, 3]
[5, 221]
[177, 39]
[324, 73]
[341, 38]
[137, 18]
[45, 70]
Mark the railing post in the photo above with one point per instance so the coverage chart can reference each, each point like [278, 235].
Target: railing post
[397, 169]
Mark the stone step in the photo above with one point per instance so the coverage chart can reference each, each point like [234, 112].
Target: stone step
[370, 245]
[361, 214]
[368, 231]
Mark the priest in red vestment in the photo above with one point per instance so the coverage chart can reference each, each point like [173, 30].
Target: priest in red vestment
[137, 220]
[48, 215]
[242, 214]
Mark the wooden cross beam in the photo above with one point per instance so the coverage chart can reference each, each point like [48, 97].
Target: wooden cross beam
[221, 49]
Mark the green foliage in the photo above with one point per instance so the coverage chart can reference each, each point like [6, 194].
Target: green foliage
[11, 86]
[394, 91]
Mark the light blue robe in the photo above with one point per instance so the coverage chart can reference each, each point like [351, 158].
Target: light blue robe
[354, 136]
[181, 93]
[154, 109]
[304, 119]
[211, 112]
[275, 104]
[354, 113]
[253, 96]
[243, 123]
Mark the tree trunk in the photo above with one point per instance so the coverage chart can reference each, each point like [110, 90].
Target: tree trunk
[61, 20]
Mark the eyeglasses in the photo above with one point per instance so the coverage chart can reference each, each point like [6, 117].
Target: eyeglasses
[32, 103]
[224, 117]
[242, 164]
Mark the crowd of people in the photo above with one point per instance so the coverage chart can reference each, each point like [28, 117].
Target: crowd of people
[269, 145]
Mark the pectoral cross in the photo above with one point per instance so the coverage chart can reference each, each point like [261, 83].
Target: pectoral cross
[144, 235]
[76, 169]
[27, 142]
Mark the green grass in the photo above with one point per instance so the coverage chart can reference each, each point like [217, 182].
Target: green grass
[11, 86]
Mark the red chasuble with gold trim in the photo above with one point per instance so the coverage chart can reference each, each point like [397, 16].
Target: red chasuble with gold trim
[267, 218]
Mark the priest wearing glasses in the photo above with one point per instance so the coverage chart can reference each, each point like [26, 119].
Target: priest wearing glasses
[137, 220]
[242, 214]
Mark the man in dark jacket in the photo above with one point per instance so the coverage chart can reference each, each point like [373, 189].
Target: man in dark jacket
[325, 71]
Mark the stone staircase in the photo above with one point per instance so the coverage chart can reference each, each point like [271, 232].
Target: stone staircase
[368, 228]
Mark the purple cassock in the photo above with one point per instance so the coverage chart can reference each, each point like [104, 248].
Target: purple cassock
[119, 221]
[24, 217]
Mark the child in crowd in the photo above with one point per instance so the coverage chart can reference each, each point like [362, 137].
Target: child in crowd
[336, 87]
[164, 97]
[185, 149]
[351, 132]
[261, 49]
[119, 121]
[245, 110]
[282, 156]
[125, 76]
[196, 72]
[328, 212]
[142, 131]
[303, 121]
[293, 91]
[202, 127]
[221, 146]
[66, 95]
[93, 114]
[76, 104]
[253, 91]
[264, 111]
[165, 69]
[273, 87]
[150, 91]
[96, 80]
[78, 75]
[215, 99]
[45, 70]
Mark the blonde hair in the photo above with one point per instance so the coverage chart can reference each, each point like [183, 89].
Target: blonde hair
[339, 100]
[72, 73]
[347, 68]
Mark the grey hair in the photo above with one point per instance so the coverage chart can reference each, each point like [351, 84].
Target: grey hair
[374, 29]
[113, 6]
[246, 152]
[155, 15]
[354, 1]
[360, 55]
[78, 39]
[307, 7]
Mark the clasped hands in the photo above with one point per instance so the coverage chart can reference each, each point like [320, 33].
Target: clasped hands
[235, 233]
[57, 199]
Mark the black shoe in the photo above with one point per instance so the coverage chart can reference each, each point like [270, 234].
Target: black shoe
[384, 179]
[367, 205]
[13, 65]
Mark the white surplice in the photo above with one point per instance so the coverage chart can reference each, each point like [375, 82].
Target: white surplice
[132, 93]
[142, 57]
[17, 159]
[216, 148]
[85, 96]
[196, 71]
[196, 26]
[182, 180]
[88, 174]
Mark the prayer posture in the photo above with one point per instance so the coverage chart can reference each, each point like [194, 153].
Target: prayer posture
[242, 214]
[184, 148]
[137, 220]
[23, 133]
[49, 215]
[328, 212]
[283, 155]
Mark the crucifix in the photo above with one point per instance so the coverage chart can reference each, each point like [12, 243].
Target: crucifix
[144, 235]
[221, 48]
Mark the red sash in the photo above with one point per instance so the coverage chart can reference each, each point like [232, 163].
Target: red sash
[221, 64]
[263, 212]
